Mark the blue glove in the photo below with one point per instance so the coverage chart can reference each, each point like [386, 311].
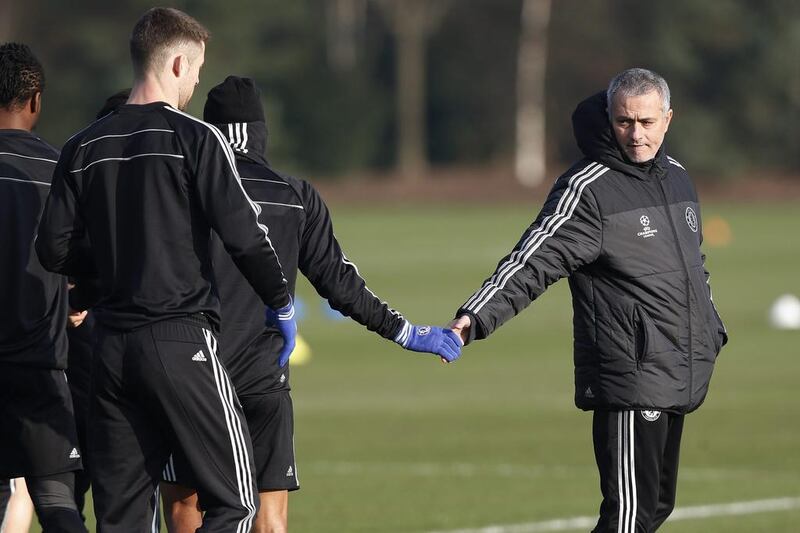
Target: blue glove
[431, 339]
[283, 319]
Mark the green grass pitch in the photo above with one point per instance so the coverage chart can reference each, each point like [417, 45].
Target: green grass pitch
[390, 441]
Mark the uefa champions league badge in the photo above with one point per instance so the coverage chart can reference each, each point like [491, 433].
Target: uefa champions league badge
[691, 219]
[651, 416]
[424, 330]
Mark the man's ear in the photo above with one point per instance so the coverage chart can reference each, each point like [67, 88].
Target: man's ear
[179, 65]
[35, 103]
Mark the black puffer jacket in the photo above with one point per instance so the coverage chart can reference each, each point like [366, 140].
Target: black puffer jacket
[628, 236]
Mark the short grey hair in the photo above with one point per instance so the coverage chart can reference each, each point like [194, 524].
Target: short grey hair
[636, 82]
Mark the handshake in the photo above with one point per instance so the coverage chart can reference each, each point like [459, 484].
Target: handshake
[444, 342]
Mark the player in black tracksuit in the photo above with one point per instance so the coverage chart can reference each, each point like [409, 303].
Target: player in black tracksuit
[135, 196]
[38, 439]
[302, 233]
[647, 334]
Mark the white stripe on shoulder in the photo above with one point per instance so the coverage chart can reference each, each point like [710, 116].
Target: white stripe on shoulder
[676, 163]
[89, 126]
[29, 157]
[126, 135]
[517, 260]
[104, 160]
[284, 205]
[266, 180]
[25, 181]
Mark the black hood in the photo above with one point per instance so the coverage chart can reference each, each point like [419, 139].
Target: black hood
[234, 106]
[593, 134]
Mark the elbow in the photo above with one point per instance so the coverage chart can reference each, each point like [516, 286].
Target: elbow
[46, 252]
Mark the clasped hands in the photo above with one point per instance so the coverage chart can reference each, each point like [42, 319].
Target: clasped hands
[444, 342]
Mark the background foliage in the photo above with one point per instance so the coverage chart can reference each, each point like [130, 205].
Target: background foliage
[732, 66]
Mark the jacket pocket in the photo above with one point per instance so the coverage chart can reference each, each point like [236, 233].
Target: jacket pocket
[648, 338]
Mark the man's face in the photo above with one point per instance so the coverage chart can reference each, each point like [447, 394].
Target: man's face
[190, 79]
[639, 124]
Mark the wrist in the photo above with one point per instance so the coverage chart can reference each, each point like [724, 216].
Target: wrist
[404, 334]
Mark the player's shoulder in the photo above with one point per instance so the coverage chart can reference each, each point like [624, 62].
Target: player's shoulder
[676, 166]
[28, 145]
[184, 123]
[88, 132]
[582, 174]
[262, 181]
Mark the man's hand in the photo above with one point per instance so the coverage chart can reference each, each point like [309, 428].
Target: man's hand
[461, 327]
[430, 339]
[283, 319]
[76, 318]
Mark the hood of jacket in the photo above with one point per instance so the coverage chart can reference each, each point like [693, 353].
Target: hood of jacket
[596, 140]
[247, 139]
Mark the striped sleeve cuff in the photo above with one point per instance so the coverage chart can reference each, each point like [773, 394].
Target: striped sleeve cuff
[404, 334]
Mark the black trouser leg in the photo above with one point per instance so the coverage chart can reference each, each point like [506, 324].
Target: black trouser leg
[125, 438]
[636, 453]
[209, 426]
[669, 472]
[167, 390]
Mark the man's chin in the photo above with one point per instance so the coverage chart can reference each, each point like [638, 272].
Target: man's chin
[638, 157]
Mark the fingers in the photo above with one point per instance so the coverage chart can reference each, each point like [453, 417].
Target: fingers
[453, 336]
[450, 346]
[286, 352]
[461, 327]
[76, 318]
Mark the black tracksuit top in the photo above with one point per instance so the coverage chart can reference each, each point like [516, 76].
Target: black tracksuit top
[646, 332]
[33, 315]
[134, 198]
[302, 233]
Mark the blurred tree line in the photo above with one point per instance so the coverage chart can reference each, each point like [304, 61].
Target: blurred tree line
[330, 72]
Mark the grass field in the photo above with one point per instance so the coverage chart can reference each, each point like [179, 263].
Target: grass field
[389, 441]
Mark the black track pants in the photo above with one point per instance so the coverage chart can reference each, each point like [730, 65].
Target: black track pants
[157, 389]
[637, 456]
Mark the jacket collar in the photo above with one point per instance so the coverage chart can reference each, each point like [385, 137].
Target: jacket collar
[247, 139]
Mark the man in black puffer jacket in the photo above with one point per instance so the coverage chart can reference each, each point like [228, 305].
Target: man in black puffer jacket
[624, 225]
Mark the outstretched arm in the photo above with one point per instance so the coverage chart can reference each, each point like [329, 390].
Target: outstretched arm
[566, 235]
[338, 280]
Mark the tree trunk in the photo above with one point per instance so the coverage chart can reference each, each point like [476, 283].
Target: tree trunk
[412, 22]
[412, 157]
[346, 21]
[531, 153]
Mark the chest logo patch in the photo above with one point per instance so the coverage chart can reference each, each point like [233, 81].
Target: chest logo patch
[691, 219]
[651, 416]
[647, 231]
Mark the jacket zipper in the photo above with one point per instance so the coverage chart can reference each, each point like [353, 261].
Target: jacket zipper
[686, 282]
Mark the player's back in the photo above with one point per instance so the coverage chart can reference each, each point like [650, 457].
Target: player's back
[282, 210]
[132, 172]
[33, 313]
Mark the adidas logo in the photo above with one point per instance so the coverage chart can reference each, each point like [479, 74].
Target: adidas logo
[588, 393]
[199, 356]
[283, 378]
[74, 454]
[290, 472]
